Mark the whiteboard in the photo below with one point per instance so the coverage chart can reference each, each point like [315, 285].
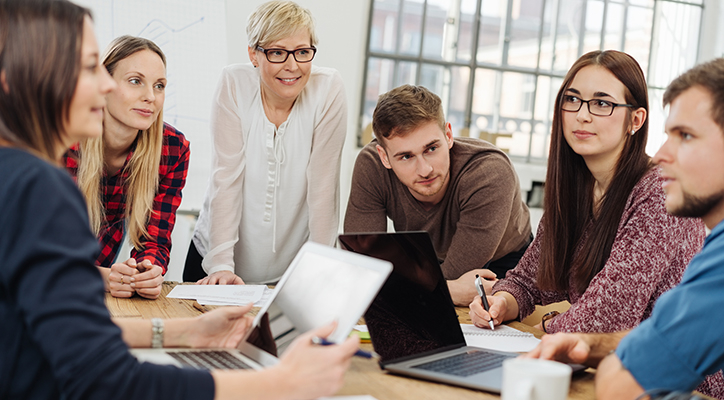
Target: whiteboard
[192, 34]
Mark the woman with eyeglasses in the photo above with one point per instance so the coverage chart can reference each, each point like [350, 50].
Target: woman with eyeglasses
[278, 125]
[605, 242]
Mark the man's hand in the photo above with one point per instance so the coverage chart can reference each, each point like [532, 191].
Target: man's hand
[578, 348]
[563, 347]
[221, 278]
[463, 290]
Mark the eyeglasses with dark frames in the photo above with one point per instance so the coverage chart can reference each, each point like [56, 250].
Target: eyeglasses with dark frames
[279, 56]
[601, 108]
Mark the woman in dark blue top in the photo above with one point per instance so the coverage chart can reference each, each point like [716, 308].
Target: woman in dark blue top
[56, 336]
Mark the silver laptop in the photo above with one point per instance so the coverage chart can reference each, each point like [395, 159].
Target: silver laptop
[322, 284]
[412, 321]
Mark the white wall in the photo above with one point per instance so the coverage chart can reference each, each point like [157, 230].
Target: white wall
[342, 31]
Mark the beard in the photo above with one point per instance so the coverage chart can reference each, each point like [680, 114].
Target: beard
[698, 207]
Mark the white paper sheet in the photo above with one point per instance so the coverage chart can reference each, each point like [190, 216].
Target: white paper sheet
[503, 338]
[219, 294]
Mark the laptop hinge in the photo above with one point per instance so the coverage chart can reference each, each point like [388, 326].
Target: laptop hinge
[420, 355]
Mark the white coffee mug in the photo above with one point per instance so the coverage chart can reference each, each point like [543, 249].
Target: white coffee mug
[534, 379]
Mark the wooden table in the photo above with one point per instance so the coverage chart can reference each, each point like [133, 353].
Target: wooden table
[364, 376]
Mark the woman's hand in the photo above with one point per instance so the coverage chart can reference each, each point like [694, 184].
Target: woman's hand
[312, 370]
[498, 309]
[120, 278]
[222, 327]
[147, 282]
[221, 278]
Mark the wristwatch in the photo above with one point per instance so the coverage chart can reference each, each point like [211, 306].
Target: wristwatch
[157, 330]
[546, 317]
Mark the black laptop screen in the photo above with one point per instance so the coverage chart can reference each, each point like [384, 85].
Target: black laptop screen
[413, 312]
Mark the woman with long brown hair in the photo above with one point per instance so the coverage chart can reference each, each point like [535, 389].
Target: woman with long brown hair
[133, 174]
[605, 242]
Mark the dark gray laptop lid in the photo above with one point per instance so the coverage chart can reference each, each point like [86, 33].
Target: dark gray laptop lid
[413, 312]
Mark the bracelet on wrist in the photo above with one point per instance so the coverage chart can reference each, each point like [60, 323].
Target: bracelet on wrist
[157, 333]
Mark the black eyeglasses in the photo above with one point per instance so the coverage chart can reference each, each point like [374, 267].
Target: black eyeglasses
[279, 56]
[601, 108]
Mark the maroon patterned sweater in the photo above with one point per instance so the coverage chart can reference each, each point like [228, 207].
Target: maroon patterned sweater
[648, 257]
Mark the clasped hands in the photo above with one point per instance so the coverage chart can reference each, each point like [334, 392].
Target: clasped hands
[129, 277]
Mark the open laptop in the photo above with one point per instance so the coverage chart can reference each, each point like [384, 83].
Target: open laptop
[322, 284]
[412, 321]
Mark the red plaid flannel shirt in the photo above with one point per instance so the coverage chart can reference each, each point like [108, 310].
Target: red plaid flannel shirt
[172, 178]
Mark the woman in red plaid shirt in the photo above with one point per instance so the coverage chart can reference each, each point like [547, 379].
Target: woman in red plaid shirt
[132, 176]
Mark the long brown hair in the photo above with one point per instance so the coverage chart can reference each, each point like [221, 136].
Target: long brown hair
[569, 186]
[142, 183]
[40, 45]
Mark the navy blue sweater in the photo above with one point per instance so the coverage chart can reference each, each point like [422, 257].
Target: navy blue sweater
[56, 336]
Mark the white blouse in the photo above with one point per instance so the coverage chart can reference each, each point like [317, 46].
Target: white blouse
[270, 193]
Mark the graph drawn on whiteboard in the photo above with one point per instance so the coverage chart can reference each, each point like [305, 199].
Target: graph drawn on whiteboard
[192, 34]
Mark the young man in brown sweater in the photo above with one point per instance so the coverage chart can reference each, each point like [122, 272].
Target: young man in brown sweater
[463, 192]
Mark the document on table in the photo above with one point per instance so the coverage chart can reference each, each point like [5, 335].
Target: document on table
[503, 338]
[237, 295]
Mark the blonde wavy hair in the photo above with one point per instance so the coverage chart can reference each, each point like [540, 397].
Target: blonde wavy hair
[142, 183]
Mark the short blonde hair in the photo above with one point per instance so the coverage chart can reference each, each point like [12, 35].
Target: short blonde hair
[276, 20]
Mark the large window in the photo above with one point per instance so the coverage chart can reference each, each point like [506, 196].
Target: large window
[497, 64]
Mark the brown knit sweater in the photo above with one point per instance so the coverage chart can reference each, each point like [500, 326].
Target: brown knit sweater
[481, 218]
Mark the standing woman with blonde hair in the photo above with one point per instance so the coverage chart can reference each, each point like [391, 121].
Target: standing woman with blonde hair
[278, 126]
[133, 174]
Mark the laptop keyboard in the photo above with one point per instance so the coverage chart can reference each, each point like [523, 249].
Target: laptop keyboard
[209, 359]
[465, 364]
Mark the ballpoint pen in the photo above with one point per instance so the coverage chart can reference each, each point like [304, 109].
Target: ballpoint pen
[360, 353]
[481, 292]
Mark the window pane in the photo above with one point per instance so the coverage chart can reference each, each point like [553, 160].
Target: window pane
[383, 29]
[657, 118]
[568, 34]
[465, 32]
[676, 46]
[613, 39]
[516, 110]
[544, 107]
[638, 35]
[457, 97]
[409, 43]
[484, 99]
[525, 26]
[546, 51]
[435, 29]
[406, 73]
[643, 3]
[431, 77]
[379, 80]
[594, 24]
[490, 39]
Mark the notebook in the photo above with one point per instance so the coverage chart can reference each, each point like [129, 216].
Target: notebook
[412, 322]
[503, 338]
[322, 284]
